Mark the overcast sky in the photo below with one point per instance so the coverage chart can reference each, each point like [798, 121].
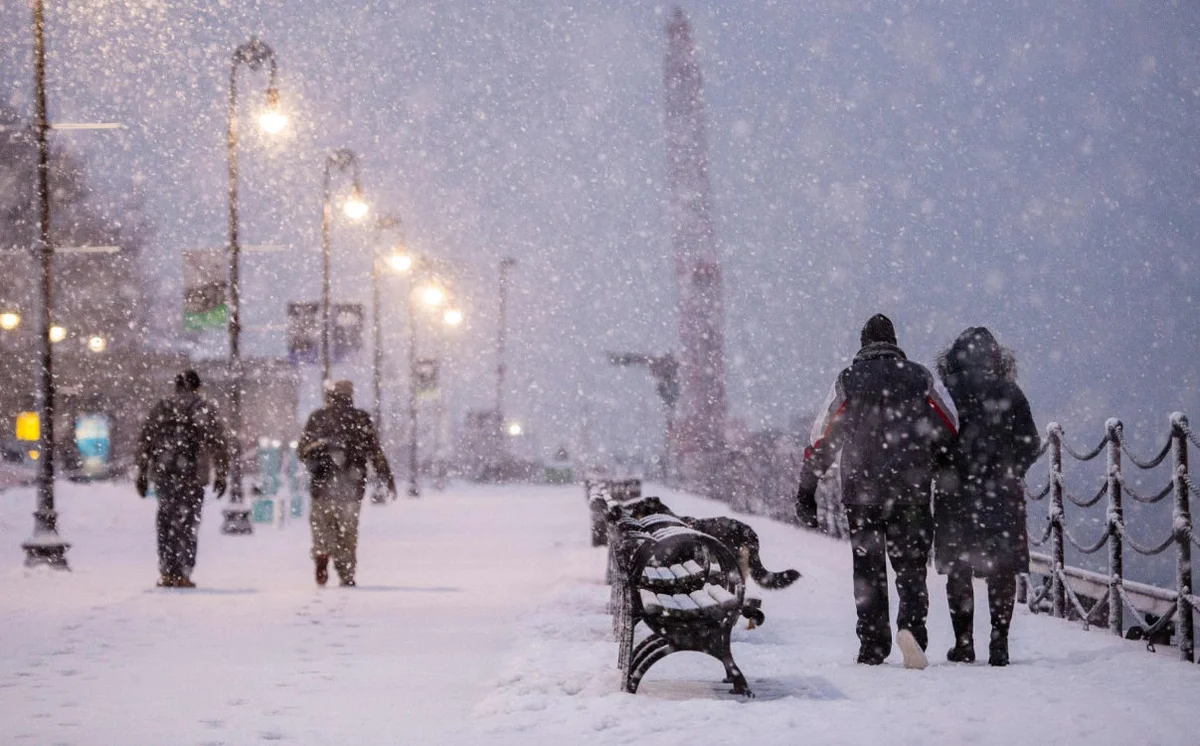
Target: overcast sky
[1030, 167]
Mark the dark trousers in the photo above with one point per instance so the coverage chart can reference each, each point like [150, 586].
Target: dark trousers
[1002, 595]
[178, 523]
[902, 534]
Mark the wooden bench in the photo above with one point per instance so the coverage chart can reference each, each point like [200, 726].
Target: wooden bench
[673, 589]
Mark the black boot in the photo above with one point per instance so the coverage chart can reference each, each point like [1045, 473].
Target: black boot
[1002, 592]
[964, 638]
[961, 597]
[322, 569]
[998, 648]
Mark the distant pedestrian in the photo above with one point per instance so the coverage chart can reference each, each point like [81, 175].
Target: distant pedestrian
[338, 442]
[181, 442]
[979, 504]
[887, 416]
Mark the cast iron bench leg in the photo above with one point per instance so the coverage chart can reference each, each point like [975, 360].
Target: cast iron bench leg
[637, 672]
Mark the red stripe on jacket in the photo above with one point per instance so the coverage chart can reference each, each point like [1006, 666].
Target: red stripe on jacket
[945, 417]
[808, 452]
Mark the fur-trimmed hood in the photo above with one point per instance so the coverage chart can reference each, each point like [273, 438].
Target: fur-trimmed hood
[977, 354]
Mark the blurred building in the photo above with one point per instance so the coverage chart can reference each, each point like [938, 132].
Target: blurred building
[107, 371]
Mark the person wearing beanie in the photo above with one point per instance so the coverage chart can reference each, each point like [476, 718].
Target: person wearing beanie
[181, 442]
[888, 418]
[339, 441]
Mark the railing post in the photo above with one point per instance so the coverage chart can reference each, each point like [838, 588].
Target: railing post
[1115, 523]
[1057, 592]
[1182, 525]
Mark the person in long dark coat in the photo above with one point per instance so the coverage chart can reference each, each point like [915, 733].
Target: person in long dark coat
[979, 503]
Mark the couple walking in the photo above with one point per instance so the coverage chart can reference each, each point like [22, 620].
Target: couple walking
[969, 434]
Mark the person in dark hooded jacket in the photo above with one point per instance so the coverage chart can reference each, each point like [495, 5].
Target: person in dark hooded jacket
[339, 441]
[887, 416]
[180, 439]
[979, 512]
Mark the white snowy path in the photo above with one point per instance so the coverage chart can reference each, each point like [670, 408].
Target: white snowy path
[480, 618]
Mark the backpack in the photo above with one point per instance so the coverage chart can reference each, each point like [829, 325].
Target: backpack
[336, 464]
[177, 452]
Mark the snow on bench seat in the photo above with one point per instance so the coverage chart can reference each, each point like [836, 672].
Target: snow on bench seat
[711, 596]
[685, 571]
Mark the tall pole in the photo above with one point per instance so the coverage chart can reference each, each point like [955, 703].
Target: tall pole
[377, 348]
[326, 218]
[237, 519]
[342, 159]
[45, 547]
[501, 330]
[385, 222]
[414, 488]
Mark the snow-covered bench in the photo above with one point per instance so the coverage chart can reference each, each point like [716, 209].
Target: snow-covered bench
[618, 490]
[683, 588]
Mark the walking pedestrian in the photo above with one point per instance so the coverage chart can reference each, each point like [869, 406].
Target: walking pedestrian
[979, 501]
[181, 442]
[887, 416]
[338, 442]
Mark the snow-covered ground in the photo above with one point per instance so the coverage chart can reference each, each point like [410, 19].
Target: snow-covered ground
[480, 618]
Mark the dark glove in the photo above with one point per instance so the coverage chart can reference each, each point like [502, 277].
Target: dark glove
[141, 484]
[218, 487]
[806, 505]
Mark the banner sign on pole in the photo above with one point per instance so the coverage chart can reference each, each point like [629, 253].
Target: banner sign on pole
[304, 332]
[425, 378]
[205, 287]
[346, 332]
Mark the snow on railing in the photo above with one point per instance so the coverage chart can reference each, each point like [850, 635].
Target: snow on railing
[1069, 588]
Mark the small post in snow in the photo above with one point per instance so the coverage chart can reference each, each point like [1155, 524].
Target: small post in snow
[1116, 530]
[1057, 592]
[1182, 525]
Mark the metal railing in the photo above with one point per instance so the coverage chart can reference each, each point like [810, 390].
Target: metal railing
[1089, 595]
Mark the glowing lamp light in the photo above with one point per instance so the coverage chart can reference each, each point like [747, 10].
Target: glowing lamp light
[355, 208]
[433, 296]
[514, 429]
[273, 120]
[57, 333]
[452, 317]
[400, 262]
[96, 343]
[9, 321]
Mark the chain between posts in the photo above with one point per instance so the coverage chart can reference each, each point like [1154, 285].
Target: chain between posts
[1116, 535]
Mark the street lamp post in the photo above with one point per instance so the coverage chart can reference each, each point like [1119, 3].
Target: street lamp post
[399, 262]
[451, 318]
[432, 296]
[414, 485]
[343, 159]
[45, 546]
[253, 54]
[506, 264]
[376, 350]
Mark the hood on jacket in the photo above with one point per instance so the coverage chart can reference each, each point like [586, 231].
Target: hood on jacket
[977, 354]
